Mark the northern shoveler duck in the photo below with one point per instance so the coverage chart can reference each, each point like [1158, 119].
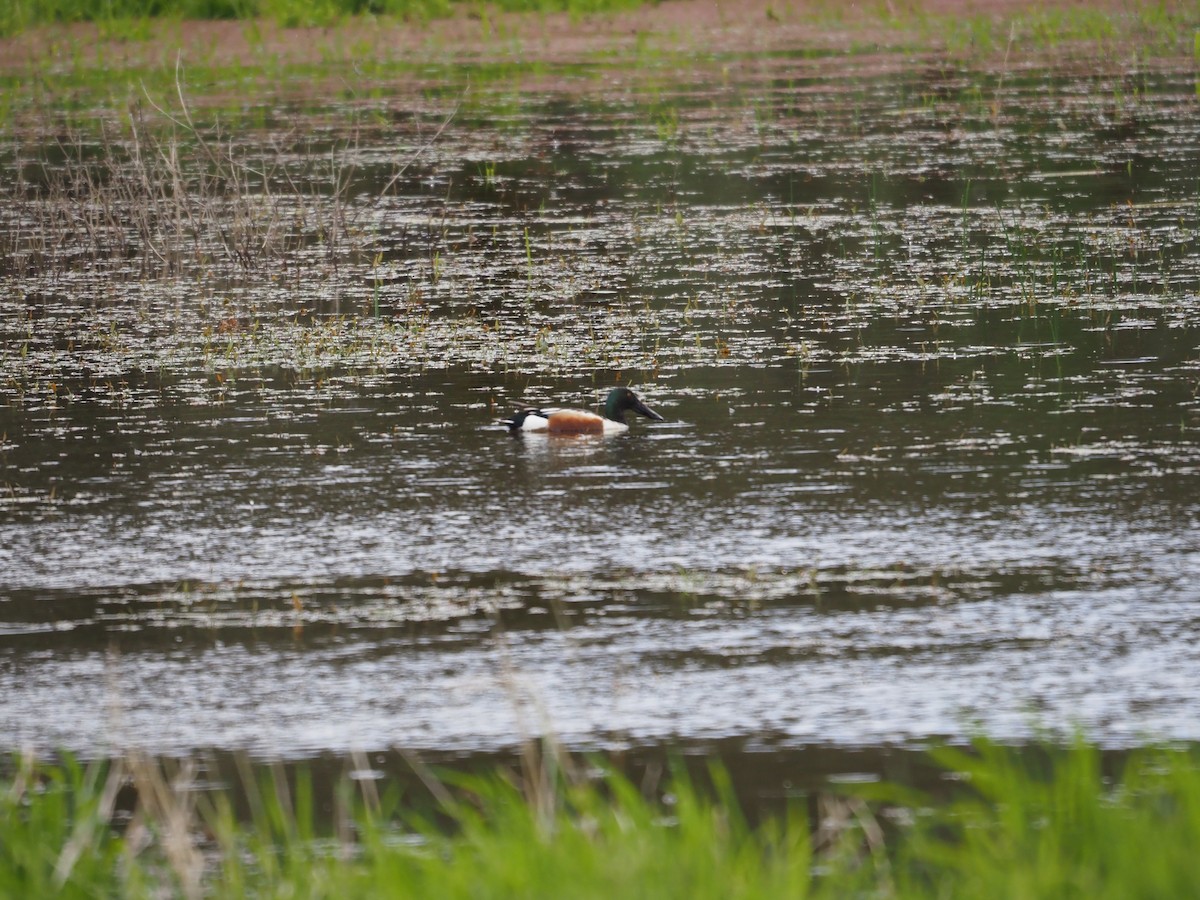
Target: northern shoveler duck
[580, 421]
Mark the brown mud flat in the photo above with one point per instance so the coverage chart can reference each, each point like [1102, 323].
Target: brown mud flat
[675, 26]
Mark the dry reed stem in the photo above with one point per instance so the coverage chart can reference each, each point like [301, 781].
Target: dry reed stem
[167, 805]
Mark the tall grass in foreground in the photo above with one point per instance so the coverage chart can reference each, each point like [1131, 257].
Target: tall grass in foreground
[1014, 824]
[1057, 826]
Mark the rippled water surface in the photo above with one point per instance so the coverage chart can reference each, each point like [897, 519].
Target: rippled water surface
[925, 337]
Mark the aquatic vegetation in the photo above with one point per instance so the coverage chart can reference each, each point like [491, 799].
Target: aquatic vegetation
[156, 195]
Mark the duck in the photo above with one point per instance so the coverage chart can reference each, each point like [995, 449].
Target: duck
[579, 421]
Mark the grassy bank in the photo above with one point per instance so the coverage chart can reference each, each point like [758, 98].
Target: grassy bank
[1043, 824]
[963, 26]
[16, 15]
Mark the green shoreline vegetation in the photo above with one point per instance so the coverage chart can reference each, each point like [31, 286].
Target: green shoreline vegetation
[129, 47]
[1169, 25]
[1047, 821]
[17, 15]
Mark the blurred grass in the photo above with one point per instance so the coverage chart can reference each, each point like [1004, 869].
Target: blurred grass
[1060, 827]
[18, 15]
[1046, 822]
[1148, 26]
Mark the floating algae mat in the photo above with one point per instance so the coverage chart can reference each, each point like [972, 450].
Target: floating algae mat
[925, 334]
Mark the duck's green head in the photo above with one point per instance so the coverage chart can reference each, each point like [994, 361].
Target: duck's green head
[621, 399]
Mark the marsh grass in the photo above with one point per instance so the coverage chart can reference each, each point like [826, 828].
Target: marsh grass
[1040, 822]
[159, 197]
[154, 193]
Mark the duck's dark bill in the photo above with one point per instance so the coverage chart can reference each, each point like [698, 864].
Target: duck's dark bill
[646, 411]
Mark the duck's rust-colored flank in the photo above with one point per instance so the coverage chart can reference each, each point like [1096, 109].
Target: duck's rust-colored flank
[575, 421]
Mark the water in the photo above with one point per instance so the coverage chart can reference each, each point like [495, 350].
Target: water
[925, 337]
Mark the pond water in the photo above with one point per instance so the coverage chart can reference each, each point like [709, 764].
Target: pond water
[925, 336]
